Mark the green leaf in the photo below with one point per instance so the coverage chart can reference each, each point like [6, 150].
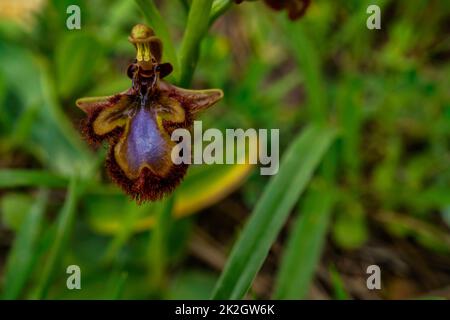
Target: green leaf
[340, 293]
[14, 208]
[192, 285]
[11, 178]
[350, 117]
[51, 138]
[309, 62]
[425, 233]
[304, 246]
[350, 227]
[76, 58]
[131, 213]
[63, 227]
[20, 258]
[117, 286]
[54, 110]
[19, 69]
[272, 210]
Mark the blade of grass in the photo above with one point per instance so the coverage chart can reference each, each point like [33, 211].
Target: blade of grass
[350, 117]
[340, 293]
[272, 210]
[186, 4]
[55, 110]
[11, 178]
[196, 28]
[23, 126]
[304, 246]
[117, 286]
[20, 258]
[63, 228]
[308, 61]
[133, 213]
[156, 21]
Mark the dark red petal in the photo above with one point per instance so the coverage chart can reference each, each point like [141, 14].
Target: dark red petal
[276, 4]
[192, 100]
[165, 69]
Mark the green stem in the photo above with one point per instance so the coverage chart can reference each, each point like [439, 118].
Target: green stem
[158, 244]
[156, 21]
[196, 28]
[218, 8]
[133, 213]
[64, 226]
[186, 5]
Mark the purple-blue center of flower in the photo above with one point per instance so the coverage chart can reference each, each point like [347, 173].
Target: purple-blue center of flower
[145, 143]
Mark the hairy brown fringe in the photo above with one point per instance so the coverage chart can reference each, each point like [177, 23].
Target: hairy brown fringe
[148, 186]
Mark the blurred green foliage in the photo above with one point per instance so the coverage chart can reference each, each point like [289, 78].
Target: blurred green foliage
[386, 92]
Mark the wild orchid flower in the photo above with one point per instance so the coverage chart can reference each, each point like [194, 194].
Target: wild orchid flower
[138, 122]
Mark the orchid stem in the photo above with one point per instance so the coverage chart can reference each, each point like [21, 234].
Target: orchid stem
[196, 28]
[219, 7]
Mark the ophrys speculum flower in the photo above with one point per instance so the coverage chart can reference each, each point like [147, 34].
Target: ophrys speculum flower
[138, 122]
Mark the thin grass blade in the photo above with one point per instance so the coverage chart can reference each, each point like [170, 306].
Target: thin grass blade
[304, 246]
[63, 227]
[20, 259]
[12, 178]
[272, 210]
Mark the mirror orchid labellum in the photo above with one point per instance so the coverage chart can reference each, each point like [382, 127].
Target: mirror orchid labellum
[138, 122]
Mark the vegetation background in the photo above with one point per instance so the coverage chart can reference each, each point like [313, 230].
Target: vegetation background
[364, 118]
